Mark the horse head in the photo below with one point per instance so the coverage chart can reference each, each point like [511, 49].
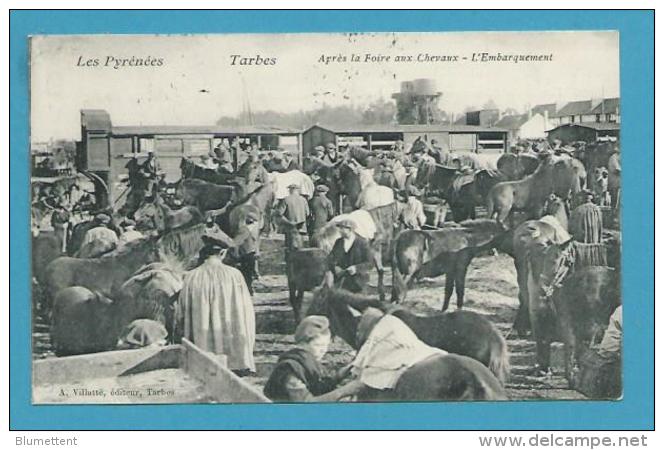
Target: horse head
[553, 262]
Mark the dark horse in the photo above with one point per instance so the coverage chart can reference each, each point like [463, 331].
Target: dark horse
[461, 332]
[447, 251]
[205, 195]
[157, 215]
[579, 300]
[305, 268]
[465, 196]
[517, 244]
[190, 169]
[529, 195]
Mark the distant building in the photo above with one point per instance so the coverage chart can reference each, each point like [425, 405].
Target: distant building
[483, 117]
[417, 102]
[588, 111]
[586, 131]
[525, 126]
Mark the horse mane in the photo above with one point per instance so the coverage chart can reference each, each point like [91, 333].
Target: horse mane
[326, 236]
[181, 244]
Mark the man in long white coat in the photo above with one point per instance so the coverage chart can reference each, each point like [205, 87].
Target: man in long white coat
[216, 308]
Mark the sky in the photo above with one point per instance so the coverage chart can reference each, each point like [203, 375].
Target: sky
[197, 83]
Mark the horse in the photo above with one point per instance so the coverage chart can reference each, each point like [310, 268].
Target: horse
[529, 234]
[157, 215]
[530, 194]
[305, 268]
[435, 179]
[372, 194]
[448, 251]
[579, 300]
[516, 167]
[461, 332]
[105, 275]
[189, 169]
[384, 219]
[469, 191]
[327, 174]
[204, 195]
[78, 232]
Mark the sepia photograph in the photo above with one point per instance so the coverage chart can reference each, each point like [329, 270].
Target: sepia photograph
[326, 217]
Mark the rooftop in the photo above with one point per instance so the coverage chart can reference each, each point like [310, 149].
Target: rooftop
[396, 128]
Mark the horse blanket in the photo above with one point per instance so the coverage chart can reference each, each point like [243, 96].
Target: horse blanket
[281, 181]
[390, 349]
[364, 223]
[374, 196]
[560, 234]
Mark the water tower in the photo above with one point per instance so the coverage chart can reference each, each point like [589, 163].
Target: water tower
[417, 102]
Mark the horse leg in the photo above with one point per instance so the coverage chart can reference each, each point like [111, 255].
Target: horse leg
[449, 288]
[460, 278]
[521, 322]
[378, 262]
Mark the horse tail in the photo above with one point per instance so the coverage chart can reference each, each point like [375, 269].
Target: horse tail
[499, 359]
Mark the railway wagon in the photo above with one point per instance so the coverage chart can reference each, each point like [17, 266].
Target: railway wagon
[105, 149]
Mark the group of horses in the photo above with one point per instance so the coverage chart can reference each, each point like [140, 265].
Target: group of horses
[554, 286]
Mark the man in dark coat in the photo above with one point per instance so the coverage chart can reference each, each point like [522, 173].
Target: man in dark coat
[321, 209]
[299, 375]
[290, 163]
[350, 260]
[294, 211]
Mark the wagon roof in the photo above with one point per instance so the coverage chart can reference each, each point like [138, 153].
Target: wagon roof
[598, 126]
[396, 128]
[152, 130]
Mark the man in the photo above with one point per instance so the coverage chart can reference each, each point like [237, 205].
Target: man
[294, 209]
[614, 169]
[350, 260]
[411, 213]
[129, 232]
[100, 239]
[150, 170]
[134, 171]
[319, 152]
[387, 349]
[585, 222]
[321, 209]
[331, 156]
[246, 249]
[215, 310]
[278, 163]
[290, 163]
[299, 375]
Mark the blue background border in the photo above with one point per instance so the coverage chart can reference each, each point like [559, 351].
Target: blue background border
[636, 411]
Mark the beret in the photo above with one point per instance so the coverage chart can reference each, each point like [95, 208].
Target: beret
[311, 327]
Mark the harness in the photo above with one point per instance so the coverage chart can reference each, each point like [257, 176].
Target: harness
[565, 267]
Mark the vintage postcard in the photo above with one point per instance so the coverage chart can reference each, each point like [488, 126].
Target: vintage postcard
[326, 217]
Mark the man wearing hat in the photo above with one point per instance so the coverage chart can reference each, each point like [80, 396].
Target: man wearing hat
[129, 232]
[215, 311]
[321, 209]
[331, 154]
[350, 260]
[299, 375]
[319, 152]
[294, 210]
[585, 222]
[411, 210]
[290, 163]
[99, 239]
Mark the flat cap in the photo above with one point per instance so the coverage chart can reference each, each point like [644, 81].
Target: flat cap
[346, 223]
[319, 148]
[331, 145]
[102, 218]
[311, 327]
[322, 188]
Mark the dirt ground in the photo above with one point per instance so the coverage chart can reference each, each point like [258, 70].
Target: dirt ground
[491, 290]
